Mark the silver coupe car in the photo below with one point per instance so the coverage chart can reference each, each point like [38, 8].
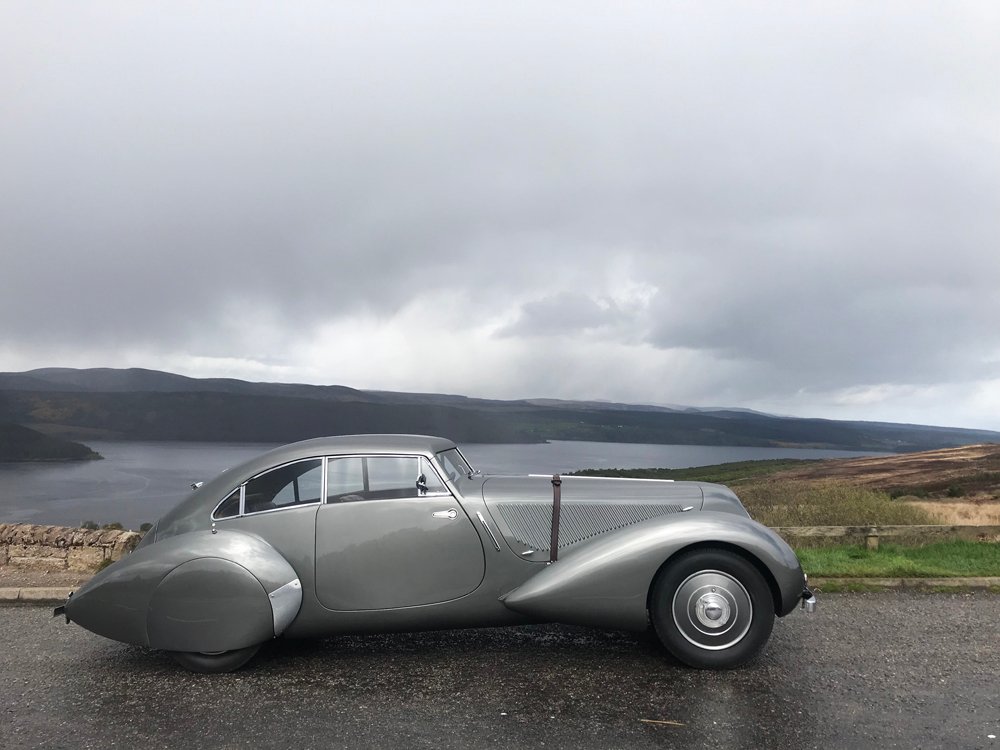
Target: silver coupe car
[377, 533]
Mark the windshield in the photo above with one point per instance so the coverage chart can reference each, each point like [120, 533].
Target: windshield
[454, 464]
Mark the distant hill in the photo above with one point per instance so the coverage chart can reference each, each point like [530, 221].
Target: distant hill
[18, 443]
[137, 404]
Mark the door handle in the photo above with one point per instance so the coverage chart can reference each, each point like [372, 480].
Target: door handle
[450, 513]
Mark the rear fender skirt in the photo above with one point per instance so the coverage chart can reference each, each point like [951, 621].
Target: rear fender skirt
[606, 583]
[209, 605]
[124, 601]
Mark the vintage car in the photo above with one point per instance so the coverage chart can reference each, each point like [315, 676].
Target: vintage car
[377, 533]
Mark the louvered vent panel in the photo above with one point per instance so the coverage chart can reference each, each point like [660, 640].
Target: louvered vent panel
[531, 523]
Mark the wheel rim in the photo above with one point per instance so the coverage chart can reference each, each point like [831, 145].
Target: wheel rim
[712, 610]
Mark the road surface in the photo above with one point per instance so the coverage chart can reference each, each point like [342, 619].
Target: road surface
[867, 670]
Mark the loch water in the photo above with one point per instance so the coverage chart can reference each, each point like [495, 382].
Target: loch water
[138, 482]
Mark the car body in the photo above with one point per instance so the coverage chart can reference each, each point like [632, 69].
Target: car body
[377, 533]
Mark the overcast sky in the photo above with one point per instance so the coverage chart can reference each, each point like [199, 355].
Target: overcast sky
[792, 207]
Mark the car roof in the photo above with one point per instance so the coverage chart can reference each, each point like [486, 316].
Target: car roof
[346, 445]
[375, 443]
[209, 494]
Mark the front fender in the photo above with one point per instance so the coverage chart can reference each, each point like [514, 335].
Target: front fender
[605, 584]
[200, 591]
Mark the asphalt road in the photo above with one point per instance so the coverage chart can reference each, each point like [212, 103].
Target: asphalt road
[867, 670]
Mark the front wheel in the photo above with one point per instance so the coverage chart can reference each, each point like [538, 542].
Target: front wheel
[209, 663]
[712, 609]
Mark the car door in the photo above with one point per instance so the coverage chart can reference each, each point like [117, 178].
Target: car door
[390, 534]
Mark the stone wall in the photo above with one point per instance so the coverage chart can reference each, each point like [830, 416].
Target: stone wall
[58, 548]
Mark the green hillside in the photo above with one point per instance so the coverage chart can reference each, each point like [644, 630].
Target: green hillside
[18, 443]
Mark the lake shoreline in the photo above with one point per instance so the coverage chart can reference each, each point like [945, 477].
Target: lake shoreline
[137, 482]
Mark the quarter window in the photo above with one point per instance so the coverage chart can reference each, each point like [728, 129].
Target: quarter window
[454, 464]
[230, 507]
[299, 483]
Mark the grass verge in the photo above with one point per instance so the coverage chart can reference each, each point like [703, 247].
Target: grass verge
[939, 560]
[873, 585]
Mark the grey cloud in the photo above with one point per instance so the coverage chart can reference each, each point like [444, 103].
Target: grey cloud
[809, 194]
[565, 313]
[849, 320]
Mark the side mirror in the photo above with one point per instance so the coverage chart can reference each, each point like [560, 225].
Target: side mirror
[422, 484]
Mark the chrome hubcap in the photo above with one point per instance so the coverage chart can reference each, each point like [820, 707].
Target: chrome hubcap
[712, 610]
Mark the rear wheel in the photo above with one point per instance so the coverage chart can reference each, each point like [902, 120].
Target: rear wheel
[712, 609]
[214, 663]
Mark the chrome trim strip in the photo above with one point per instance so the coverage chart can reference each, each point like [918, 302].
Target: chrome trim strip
[617, 479]
[467, 463]
[323, 481]
[488, 530]
[285, 603]
[290, 506]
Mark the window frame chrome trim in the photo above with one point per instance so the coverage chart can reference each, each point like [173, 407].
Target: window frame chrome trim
[324, 483]
[429, 459]
[435, 459]
[239, 506]
[243, 491]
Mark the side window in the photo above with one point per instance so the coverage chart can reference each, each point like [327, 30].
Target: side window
[402, 476]
[432, 481]
[345, 479]
[393, 476]
[293, 484]
[381, 478]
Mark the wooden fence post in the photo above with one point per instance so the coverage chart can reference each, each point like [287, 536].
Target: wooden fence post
[871, 539]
